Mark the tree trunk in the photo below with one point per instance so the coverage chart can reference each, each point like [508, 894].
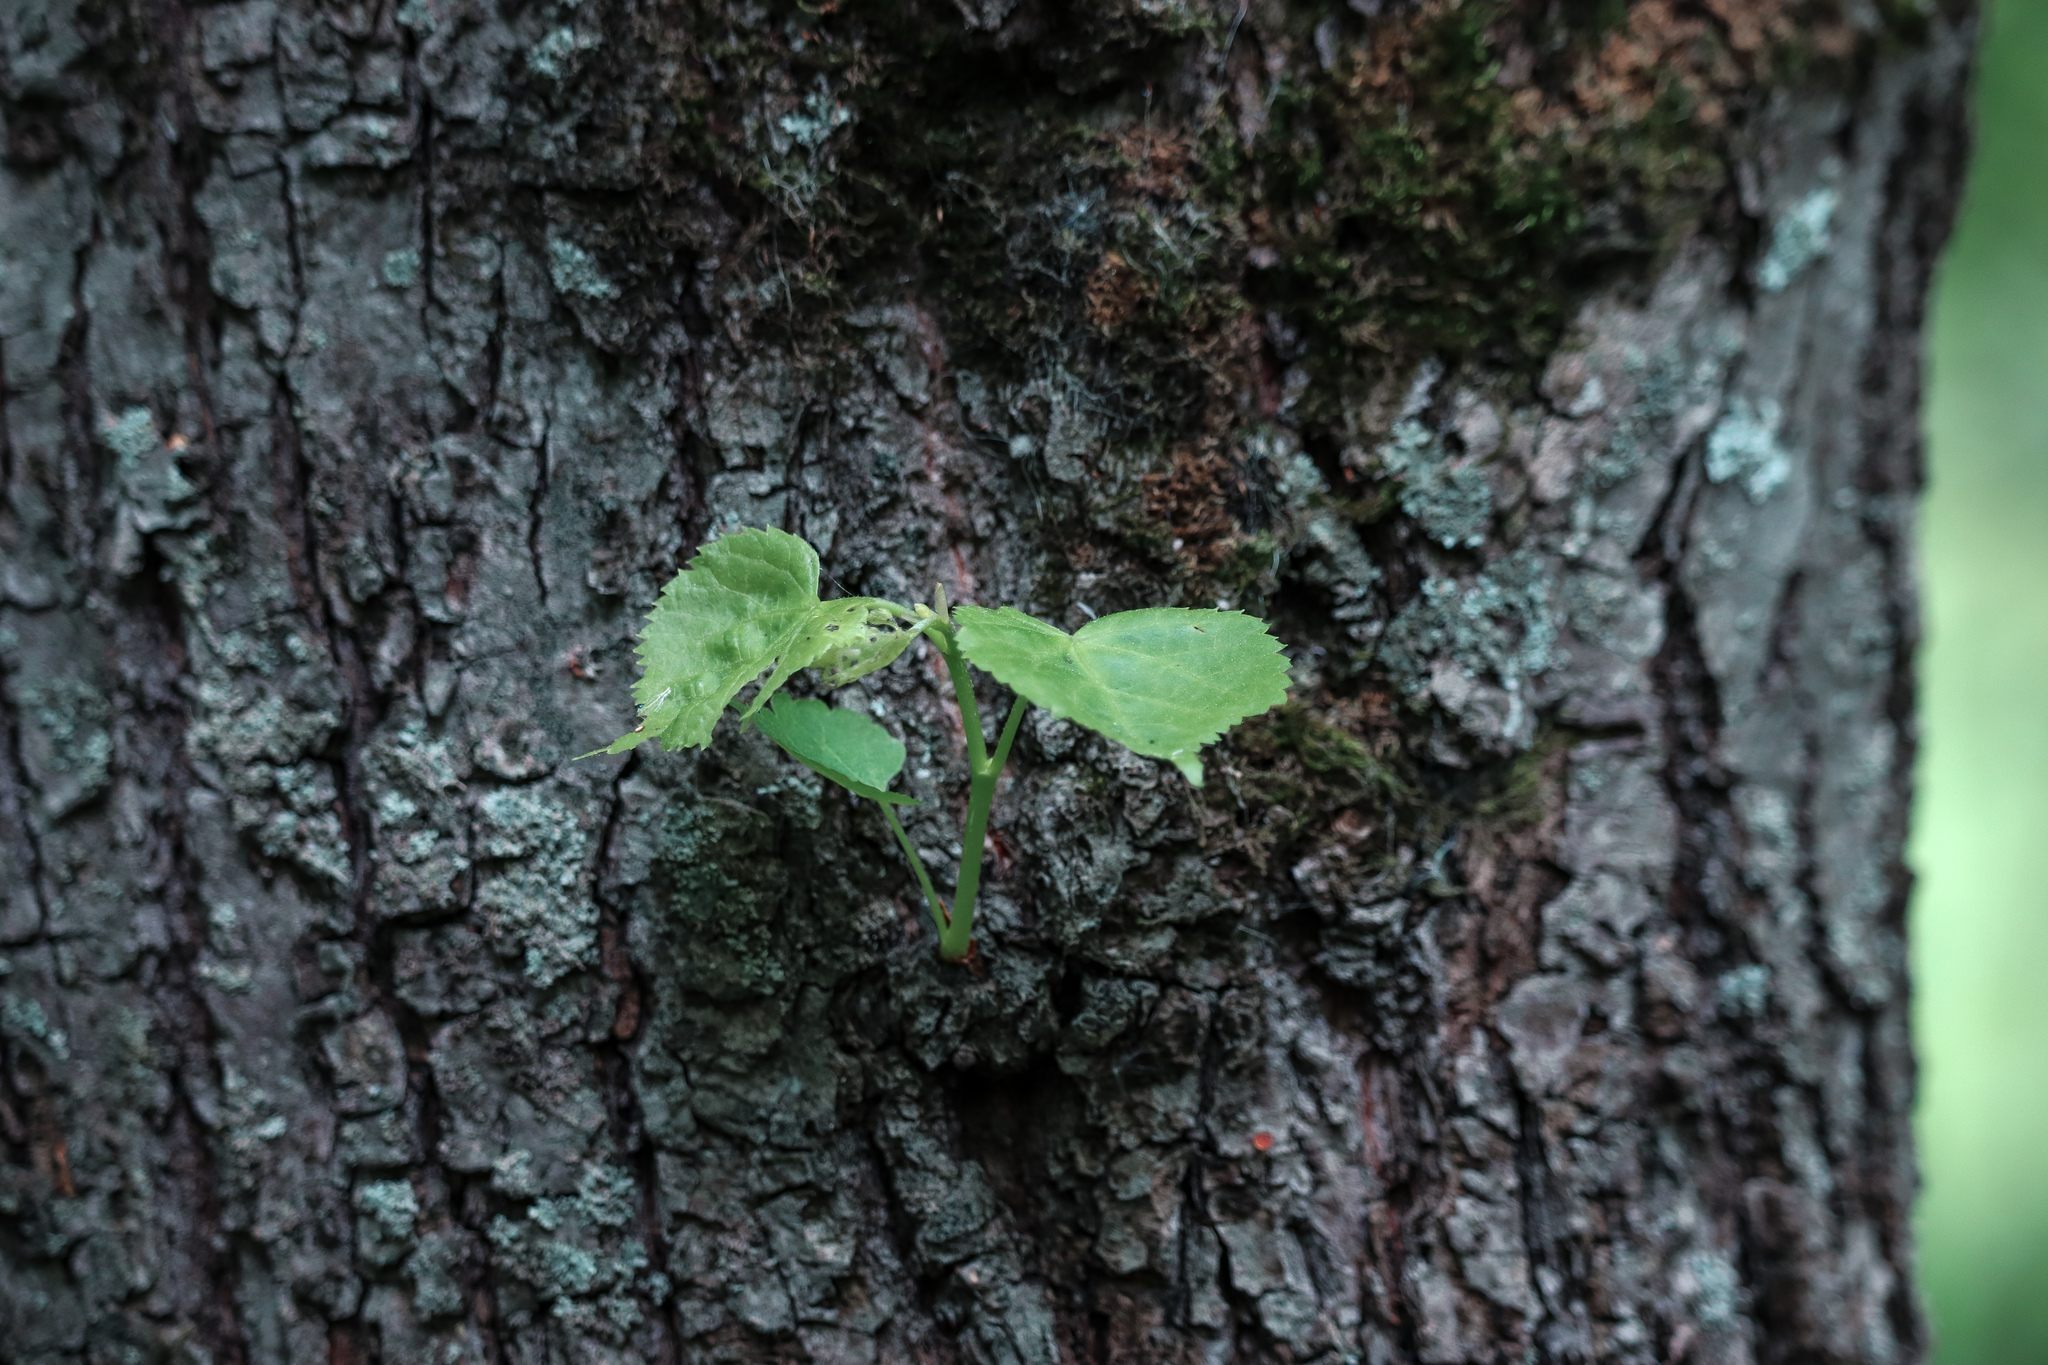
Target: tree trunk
[1531, 987]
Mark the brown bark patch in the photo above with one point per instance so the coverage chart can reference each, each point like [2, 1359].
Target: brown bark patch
[1114, 292]
[1192, 500]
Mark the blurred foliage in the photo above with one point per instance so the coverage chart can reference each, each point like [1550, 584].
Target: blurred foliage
[1980, 927]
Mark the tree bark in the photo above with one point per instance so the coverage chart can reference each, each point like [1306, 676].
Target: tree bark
[1531, 987]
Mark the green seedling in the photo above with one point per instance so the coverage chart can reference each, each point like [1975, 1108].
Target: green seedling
[1161, 682]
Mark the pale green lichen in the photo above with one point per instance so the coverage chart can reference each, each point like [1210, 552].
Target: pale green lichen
[392, 1203]
[570, 1269]
[1500, 623]
[1745, 992]
[514, 822]
[394, 807]
[73, 717]
[819, 117]
[133, 435]
[1744, 447]
[575, 271]
[590, 1289]
[229, 978]
[433, 1268]
[251, 1122]
[512, 1174]
[250, 735]
[1715, 1288]
[554, 56]
[1451, 501]
[23, 1019]
[401, 269]
[605, 1196]
[1802, 235]
[1640, 426]
[387, 1216]
[535, 903]
[307, 831]
[1333, 557]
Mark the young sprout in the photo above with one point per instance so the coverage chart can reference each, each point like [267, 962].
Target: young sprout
[1162, 682]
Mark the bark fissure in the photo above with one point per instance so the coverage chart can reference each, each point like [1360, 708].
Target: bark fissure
[15, 806]
[634, 989]
[534, 505]
[75, 465]
[188, 255]
[6, 432]
[1706, 898]
[184, 1011]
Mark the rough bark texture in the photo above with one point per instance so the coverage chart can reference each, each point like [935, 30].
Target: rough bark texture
[1530, 988]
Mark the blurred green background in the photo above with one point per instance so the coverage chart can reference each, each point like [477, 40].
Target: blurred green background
[1980, 842]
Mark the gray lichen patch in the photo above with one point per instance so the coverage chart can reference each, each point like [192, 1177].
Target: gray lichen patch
[67, 741]
[1451, 500]
[531, 846]
[1801, 235]
[1476, 645]
[728, 894]
[575, 271]
[1744, 447]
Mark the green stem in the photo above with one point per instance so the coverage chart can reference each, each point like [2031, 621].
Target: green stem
[956, 936]
[1017, 709]
[956, 940]
[924, 878]
[963, 692]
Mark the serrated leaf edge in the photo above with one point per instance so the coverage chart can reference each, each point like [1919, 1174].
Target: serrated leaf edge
[1187, 758]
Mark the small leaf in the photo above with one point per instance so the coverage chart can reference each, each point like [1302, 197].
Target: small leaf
[875, 645]
[737, 608]
[840, 745]
[832, 626]
[1161, 682]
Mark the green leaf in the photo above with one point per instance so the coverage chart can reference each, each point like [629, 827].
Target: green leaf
[843, 746]
[1161, 682]
[875, 645]
[831, 629]
[740, 605]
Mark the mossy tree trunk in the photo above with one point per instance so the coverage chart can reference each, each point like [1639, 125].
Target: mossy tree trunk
[1530, 988]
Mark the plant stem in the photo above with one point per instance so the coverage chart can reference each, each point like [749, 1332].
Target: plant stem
[963, 692]
[956, 940]
[924, 879]
[956, 937]
[1002, 757]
